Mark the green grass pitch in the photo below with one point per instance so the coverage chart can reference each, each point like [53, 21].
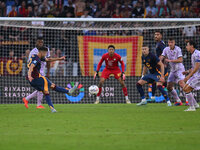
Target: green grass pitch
[99, 127]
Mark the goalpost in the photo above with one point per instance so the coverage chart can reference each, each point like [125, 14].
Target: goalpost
[83, 41]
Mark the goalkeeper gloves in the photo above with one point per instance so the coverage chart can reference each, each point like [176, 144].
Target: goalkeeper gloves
[96, 74]
[123, 76]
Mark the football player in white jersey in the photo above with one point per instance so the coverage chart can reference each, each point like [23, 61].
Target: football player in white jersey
[173, 55]
[193, 76]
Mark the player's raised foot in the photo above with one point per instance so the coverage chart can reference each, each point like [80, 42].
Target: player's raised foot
[74, 88]
[169, 104]
[40, 107]
[96, 102]
[25, 102]
[191, 108]
[196, 106]
[143, 102]
[128, 101]
[178, 103]
[53, 110]
[186, 103]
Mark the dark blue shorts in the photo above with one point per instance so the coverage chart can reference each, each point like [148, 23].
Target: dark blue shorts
[41, 83]
[150, 78]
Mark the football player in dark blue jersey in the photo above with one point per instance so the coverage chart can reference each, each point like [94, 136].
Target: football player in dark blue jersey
[42, 83]
[160, 45]
[156, 68]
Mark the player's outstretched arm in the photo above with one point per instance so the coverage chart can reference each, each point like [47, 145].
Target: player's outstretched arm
[55, 59]
[30, 70]
[162, 79]
[179, 60]
[193, 71]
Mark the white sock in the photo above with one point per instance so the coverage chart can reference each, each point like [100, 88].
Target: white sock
[97, 98]
[168, 102]
[144, 100]
[126, 97]
[39, 98]
[34, 94]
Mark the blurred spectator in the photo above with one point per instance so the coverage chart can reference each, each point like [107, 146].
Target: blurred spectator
[2, 9]
[13, 12]
[23, 12]
[162, 10]
[150, 11]
[26, 56]
[117, 14]
[30, 11]
[138, 11]
[36, 12]
[195, 9]
[158, 2]
[189, 31]
[185, 7]
[11, 54]
[178, 11]
[45, 6]
[36, 2]
[79, 7]
[14, 34]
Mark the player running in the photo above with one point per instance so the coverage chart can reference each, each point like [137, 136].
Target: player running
[39, 95]
[40, 82]
[173, 55]
[156, 69]
[111, 60]
[193, 78]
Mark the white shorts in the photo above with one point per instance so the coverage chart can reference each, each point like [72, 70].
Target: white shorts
[194, 82]
[175, 77]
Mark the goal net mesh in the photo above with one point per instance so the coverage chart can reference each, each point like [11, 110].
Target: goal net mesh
[83, 43]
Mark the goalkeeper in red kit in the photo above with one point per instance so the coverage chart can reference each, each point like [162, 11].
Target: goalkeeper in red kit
[111, 60]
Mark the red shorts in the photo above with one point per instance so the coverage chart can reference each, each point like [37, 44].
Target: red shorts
[107, 72]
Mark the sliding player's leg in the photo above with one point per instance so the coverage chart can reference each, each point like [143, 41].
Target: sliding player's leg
[188, 92]
[139, 85]
[27, 98]
[164, 93]
[39, 100]
[101, 82]
[172, 91]
[124, 89]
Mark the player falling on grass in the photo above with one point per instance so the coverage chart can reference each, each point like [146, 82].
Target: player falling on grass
[173, 55]
[160, 45]
[111, 60]
[193, 78]
[156, 68]
[38, 94]
[40, 82]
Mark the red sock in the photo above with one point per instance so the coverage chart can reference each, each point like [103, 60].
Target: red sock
[100, 89]
[125, 91]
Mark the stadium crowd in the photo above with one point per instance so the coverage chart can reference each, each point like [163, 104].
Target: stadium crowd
[101, 8]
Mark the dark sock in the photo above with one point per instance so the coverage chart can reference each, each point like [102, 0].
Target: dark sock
[48, 99]
[60, 89]
[153, 89]
[140, 90]
[164, 93]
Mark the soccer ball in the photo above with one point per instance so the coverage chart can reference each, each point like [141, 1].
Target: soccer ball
[93, 90]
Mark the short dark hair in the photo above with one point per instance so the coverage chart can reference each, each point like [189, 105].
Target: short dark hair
[111, 46]
[159, 31]
[43, 48]
[40, 38]
[171, 38]
[191, 42]
[145, 45]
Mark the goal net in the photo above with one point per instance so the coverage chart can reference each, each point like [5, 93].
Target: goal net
[83, 41]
